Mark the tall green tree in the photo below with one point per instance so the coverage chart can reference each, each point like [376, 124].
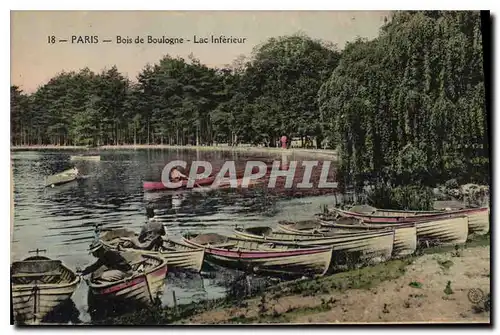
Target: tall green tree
[408, 107]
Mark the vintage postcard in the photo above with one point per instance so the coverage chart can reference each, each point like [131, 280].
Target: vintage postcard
[250, 167]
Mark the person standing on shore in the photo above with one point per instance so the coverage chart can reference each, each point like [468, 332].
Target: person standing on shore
[283, 141]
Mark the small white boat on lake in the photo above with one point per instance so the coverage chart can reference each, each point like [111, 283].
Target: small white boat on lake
[62, 178]
[94, 158]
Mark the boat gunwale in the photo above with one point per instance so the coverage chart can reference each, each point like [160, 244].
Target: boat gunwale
[153, 252]
[413, 218]
[328, 253]
[377, 232]
[372, 225]
[160, 254]
[159, 186]
[21, 287]
[305, 250]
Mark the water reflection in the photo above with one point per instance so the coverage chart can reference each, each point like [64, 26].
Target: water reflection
[64, 313]
[102, 309]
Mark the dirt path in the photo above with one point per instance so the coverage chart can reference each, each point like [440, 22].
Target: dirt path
[427, 299]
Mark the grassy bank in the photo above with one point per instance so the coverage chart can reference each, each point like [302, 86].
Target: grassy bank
[310, 299]
[243, 149]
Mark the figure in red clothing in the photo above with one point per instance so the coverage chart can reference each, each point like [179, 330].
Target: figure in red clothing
[283, 141]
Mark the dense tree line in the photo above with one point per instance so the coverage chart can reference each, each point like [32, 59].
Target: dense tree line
[178, 101]
[405, 108]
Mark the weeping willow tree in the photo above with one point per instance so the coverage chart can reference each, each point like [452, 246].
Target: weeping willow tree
[408, 108]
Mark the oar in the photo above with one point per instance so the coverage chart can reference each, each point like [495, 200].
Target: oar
[196, 184]
[199, 186]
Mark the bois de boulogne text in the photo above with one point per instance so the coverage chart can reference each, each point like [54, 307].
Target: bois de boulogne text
[147, 39]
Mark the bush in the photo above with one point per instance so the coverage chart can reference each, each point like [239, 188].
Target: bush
[451, 184]
[401, 197]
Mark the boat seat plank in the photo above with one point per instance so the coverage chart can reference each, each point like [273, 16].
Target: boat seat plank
[36, 274]
[38, 261]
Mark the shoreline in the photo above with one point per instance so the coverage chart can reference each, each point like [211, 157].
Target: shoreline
[410, 290]
[243, 149]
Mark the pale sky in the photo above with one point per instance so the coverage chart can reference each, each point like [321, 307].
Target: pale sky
[34, 61]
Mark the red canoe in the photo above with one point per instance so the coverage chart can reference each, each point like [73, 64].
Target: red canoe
[205, 182]
[200, 183]
[158, 185]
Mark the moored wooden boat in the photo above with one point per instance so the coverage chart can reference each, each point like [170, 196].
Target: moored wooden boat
[373, 245]
[312, 227]
[372, 211]
[479, 217]
[159, 185]
[405, 235]
[265, 233]
[453, 230]
[39, 284]
[179, 256]
[202, 183]
[85, 158]
[479, 221]
[143, 287]
[262, 258]
[61, 178]
[447, 230]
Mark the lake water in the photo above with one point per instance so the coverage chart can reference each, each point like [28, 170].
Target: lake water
[62, 219]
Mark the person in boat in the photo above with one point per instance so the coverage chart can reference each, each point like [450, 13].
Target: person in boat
[151, 235]
[176, 175]
[152, 231]
[117, 267]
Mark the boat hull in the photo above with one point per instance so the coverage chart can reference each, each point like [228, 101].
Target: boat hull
[178, 256]
[60, 179]
[445, 231]
[31, 309]
[375, 245]
[452, 230]
[185, 260]
[190, 260]
[39, 285]
[143, 288]
[204, 182]
[405, 235]
[158, 185]
[294, 262]
[478, 224]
